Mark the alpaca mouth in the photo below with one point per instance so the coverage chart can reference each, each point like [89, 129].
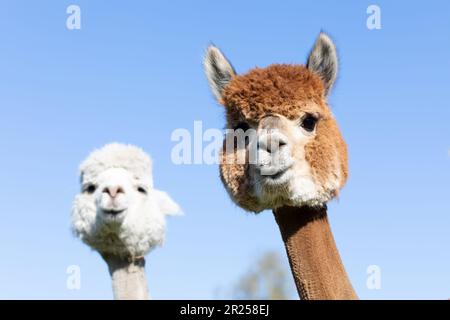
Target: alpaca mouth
[276, 176]
[113, 212]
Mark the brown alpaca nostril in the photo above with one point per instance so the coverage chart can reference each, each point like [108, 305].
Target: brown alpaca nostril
[113, 191]
[272, 143]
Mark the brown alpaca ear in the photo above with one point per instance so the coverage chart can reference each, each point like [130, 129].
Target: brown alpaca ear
[218, 69]
[323, 61]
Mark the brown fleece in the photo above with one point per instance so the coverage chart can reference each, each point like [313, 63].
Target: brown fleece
[235, 178]
[322, 150]
[278, 89]
[315, 262]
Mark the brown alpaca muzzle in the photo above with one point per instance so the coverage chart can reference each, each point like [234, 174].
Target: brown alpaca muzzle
[273, 156]
[258, 175]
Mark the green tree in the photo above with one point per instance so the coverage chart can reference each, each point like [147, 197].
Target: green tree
[268, 279]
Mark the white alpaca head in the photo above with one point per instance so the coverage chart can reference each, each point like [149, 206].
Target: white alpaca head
[118, 212]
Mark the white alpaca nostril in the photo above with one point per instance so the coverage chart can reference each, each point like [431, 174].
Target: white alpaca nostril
[113, 191]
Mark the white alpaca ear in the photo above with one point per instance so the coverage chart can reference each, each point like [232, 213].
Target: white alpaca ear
[218, 69]
[166, 204]
[323, 61]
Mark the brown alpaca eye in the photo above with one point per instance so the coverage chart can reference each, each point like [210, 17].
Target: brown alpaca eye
[242, 125]
[91, 189]
[309, 123]
[142, 190]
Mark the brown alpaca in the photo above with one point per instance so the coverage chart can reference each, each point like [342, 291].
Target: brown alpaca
[301, 158]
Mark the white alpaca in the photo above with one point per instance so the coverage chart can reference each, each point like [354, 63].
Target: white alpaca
[119, 214]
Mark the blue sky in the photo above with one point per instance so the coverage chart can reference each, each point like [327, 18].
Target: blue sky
[133, 74]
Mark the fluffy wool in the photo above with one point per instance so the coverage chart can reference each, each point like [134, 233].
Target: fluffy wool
[132, 222]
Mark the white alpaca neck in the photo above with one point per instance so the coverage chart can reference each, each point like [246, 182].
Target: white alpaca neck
[128, 278]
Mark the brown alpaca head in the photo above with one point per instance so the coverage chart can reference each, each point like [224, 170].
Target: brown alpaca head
[300, 157]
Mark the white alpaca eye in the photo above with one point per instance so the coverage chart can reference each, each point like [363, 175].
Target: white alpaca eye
[90, 188]
[142, 190]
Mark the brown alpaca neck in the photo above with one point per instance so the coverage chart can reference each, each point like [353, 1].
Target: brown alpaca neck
[128, 278]
[314, 259]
